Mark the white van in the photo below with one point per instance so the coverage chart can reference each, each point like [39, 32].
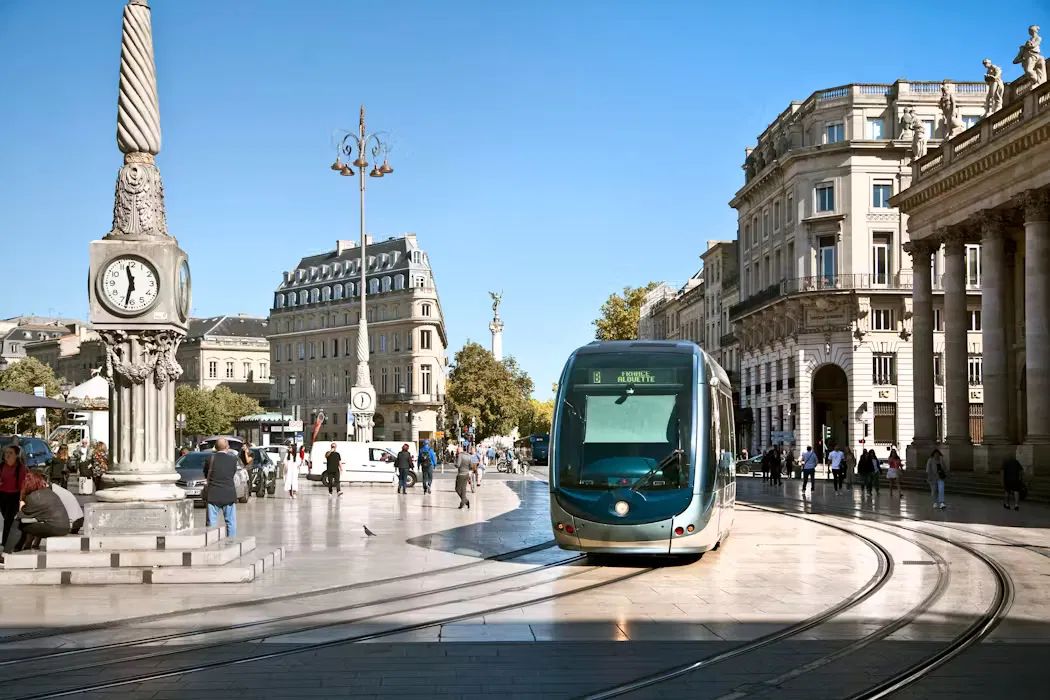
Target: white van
[363, 463]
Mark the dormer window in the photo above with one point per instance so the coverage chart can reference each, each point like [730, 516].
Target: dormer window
[416, 256]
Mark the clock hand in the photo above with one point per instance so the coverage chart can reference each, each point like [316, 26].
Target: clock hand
[131, 285]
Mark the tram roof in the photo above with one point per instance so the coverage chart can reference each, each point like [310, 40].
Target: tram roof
[674, 346]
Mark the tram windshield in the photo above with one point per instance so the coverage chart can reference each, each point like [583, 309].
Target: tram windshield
[626, 422]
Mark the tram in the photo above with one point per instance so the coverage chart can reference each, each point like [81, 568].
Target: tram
[641, 450]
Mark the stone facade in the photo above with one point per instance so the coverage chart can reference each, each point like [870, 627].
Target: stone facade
[19, 333]
[313, 335]
[231, 351]
[823, 320]
[76, 356]
[990, 185]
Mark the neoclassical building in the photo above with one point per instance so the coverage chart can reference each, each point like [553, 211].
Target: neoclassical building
[822, 322]
[229, 350]
[987, 185]
[313, 335]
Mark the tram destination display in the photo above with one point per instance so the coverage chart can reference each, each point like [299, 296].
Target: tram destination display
[620, 376]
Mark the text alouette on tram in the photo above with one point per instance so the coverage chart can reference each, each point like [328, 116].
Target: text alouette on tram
[642, 450]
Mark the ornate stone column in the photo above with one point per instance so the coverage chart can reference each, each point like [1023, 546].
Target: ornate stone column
[922, 342]
[994, 290]
[1037, 314]
[956, 386]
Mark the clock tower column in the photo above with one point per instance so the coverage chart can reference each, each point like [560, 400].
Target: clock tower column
[139, 295]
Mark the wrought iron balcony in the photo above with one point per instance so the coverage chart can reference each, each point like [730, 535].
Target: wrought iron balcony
[901, 281]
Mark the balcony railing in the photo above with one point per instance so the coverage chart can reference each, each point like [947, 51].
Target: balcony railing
[901, 281]
[726, 340]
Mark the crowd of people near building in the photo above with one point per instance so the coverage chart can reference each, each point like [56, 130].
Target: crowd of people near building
[843, 468]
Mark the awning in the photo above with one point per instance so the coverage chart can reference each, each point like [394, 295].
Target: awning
[13, 402]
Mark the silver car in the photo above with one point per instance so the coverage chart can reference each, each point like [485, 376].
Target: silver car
[191, 477]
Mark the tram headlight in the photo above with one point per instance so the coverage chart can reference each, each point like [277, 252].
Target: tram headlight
[621, 508]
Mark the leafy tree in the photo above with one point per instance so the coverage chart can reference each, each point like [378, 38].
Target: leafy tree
[492, 394]
[212, 412]
[538, 418]
[23, 376]
[620, 313]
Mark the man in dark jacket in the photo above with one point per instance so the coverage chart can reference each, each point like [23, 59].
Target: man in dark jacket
[403, 464]
[220, 469]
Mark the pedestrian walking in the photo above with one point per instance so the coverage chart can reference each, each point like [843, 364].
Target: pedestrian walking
[12, 478]
[479, 467]
[333, 465]
[877, 470]
[403, 465]
[464, 476]
[809, 468]
[936, 473]
[864, 470]
[220, 469]
[893, 473]
[60, 466]
[82, 458]
[776, 465]
[426, 460]
[291, 474]
[838, 466]
[1013, 483]
[767, 465]
[99, 463]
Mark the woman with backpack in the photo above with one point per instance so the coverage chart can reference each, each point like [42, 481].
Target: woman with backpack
[426, 459]
[936, 473]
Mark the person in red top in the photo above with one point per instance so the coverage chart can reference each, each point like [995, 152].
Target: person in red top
[12, 478]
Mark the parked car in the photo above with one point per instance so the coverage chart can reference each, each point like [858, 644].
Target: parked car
[362, 463]
[37, 452]
[191, 477]
[208, 443]
[266, 467]
[752, 465]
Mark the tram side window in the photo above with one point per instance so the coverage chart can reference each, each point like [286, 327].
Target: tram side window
[727, 447]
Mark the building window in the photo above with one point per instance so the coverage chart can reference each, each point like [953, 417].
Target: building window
[880, 259]
[384, 381]
[324, 347]
[382, 342]
[747, 234]
[397, 379]
[938, 369]
[264, 370]
[789, 215]
[213, 369]
[931, 127]
[397, 342]
[765, 224]
[408, 378]
[776, 216]
[825, 197]
[970, 120]
[826, 259]
[882, 319]
[386, 284]
[247, 367]
[754, 231]
[884, 368]
[975, 319]
[313, 350]
[975, 370]
[880, 195]
[425, 387]
[373, 286]
[977, 423]
[346, 381]
[425, 340]
[425, 310]
[229, 369]
[875, 129]
[834, 133]
[973, 266]
[938, 320]
[301, 351]
[885, 427]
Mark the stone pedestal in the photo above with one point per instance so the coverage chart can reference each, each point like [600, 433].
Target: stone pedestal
[496, 328]
[958, 455]
[1034, 457]
[988, 459]
[138, 517]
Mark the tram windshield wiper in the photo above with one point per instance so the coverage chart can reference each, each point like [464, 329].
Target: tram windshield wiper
[676, 454]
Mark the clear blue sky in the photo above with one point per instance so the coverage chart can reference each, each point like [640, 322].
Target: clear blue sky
[554, 150]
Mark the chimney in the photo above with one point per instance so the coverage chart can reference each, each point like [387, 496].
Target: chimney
[343, 246]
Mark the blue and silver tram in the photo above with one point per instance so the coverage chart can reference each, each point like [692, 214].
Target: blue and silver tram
[641, 450]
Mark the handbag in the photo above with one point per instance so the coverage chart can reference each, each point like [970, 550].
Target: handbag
[941, 474]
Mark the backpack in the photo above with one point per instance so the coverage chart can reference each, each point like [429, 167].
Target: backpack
[424, 459]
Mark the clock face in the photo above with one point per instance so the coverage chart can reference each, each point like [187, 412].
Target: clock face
[362, 401]
[129, 285]
[182, 289]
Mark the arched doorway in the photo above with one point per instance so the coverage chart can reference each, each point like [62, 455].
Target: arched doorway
[830, 405]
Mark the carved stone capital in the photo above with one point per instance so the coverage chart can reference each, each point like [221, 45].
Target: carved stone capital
[138, 203]
[955, 238]
[920, 250]
[991, 224]
[136, 356]
[1036, 205]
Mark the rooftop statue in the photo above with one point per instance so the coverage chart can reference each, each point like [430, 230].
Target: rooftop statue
[497, 298]
[953, 123]
[1030, 58]
[993, 75]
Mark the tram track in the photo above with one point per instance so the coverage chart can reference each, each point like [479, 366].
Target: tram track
[317, 646]
[882, 575]
[328, 590]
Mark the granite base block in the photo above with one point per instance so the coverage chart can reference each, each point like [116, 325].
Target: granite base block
[138, 517]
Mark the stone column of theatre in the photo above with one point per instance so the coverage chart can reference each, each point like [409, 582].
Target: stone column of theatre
[956, 386]
[1037, 314]
[994, 281]
[922, 342]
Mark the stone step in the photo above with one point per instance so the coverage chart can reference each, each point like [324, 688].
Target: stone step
[217, 554]
[195, 538]
[241, 570]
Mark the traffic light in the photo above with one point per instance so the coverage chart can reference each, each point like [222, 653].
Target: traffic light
[827, 433]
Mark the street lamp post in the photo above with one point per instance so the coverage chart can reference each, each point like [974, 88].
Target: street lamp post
[358, 146]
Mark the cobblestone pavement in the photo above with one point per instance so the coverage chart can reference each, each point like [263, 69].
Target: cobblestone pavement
[442, 601]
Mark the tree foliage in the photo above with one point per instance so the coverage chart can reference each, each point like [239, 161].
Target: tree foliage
[537, 419]
[23, 376]
[620, 313]
[494, 395]
[212, 412]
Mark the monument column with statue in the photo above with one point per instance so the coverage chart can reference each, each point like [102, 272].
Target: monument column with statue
[496, 326]
[139, 296]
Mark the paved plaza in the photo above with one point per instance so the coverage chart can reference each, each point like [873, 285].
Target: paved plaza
[822, 597]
